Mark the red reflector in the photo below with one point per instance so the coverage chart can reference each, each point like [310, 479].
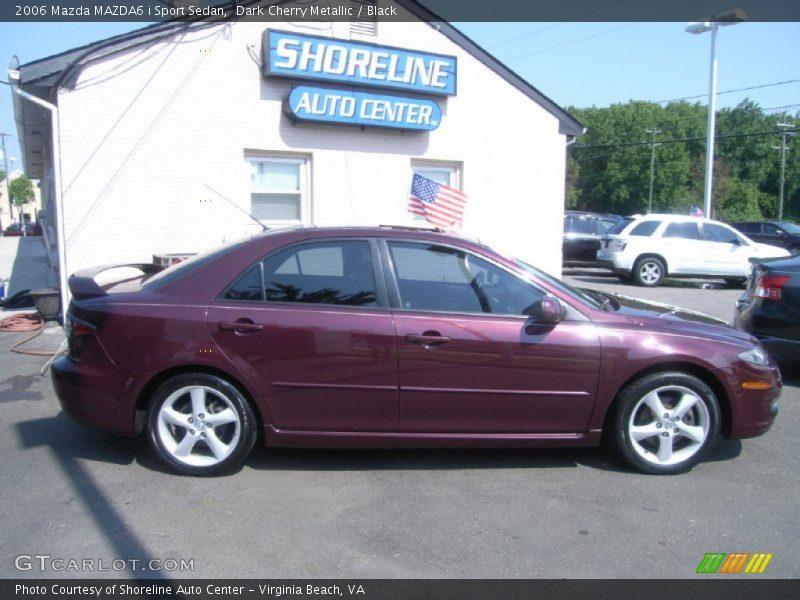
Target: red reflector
[769, 286]
[78, 328]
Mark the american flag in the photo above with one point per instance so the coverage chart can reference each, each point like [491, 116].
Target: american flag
[441, 205]
[695, 211]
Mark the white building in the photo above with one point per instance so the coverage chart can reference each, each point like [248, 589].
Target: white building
[170, 135]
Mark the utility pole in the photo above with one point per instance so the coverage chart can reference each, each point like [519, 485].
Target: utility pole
[3, 137]
[653, 145]
[783, 148]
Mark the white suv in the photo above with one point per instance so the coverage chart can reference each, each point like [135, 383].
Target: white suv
[650, 247]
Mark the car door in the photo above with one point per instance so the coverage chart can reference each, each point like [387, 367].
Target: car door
[726, 252]
[581, 240]
[472, 356]
[312, 331]
[682, 247]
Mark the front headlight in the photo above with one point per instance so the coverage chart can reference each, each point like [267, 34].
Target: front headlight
[755, 356]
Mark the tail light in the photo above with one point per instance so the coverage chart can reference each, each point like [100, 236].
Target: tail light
[77, 330]
[769, 286]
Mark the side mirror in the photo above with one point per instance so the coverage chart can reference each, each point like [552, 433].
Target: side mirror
[552, 311]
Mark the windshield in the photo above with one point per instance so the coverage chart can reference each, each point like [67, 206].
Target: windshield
[790, 228]
[619, 226]
[192, 263]
[560, 285]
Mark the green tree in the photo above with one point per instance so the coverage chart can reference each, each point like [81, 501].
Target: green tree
[21, 191]
[608, 169]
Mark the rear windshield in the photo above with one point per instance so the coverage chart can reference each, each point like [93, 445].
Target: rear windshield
[790, 228]
[619, 226]
[645, 228]
[190, 264]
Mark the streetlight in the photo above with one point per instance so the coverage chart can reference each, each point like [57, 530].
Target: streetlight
[724, 19]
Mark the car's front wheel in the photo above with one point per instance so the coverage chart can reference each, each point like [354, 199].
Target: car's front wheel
[200, 424]
[649, 271]
[666, 422]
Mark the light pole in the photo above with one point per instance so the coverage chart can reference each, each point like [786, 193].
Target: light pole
[783, 148]
[723, 19]
[654, 131]
[3, 137]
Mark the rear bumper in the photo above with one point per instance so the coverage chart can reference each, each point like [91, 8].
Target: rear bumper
[98, 396]
[609, 264]
[764, 321]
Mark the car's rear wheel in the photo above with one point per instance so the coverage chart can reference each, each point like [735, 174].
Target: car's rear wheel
[200, 424]
[666, 422]
[649, 271]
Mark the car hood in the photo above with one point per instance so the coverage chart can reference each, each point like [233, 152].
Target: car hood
[673, 318]
[766, 250]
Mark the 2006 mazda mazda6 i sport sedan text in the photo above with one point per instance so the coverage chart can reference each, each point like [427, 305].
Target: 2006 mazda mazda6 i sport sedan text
[396, 337]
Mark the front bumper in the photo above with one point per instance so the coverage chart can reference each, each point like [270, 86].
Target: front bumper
[754, 411]
[98, 396]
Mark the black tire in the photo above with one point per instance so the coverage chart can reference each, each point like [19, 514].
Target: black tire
[649, 271]
[643, 438]
[200, 424]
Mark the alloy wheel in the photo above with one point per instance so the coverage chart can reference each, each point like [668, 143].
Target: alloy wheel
[198, 426]
[669, 425]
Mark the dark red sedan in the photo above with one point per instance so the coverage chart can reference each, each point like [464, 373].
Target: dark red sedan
[395, 337]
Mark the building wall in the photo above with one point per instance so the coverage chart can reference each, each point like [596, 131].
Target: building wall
[144, 130]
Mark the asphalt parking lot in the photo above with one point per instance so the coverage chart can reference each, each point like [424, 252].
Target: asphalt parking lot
[72, 493]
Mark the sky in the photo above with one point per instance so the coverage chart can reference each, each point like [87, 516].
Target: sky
[574, 64]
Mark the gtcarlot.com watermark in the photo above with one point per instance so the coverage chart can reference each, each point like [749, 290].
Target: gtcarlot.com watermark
[57, 564]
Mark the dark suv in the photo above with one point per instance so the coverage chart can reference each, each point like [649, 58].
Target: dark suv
[582, 234]
[775, 233]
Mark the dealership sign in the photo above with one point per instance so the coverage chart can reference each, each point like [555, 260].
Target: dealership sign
[357, 64]
[330, 105]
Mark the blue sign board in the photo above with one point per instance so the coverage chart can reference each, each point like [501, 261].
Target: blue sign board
[329, 59]
[350, 107]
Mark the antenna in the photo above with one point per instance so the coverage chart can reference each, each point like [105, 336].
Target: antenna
[237, 207]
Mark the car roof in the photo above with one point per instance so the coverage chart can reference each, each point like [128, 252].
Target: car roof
[406, 231]
[673, 218]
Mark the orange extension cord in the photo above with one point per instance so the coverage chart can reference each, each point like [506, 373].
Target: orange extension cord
[24, 322]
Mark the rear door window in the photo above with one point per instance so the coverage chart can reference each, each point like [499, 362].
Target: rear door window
[686, 230]
[338, 273]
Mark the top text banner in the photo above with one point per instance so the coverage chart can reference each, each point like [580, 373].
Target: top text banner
[333, 60]
[394, 10]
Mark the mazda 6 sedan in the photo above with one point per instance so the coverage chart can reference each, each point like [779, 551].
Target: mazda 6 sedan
[397, 337]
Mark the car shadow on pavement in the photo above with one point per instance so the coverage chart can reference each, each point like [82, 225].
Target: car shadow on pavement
[70, 439]
[71, 445]
[89, 444]
[600, 458]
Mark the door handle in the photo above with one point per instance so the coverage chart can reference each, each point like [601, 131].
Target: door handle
[240, 326]
[429, 339]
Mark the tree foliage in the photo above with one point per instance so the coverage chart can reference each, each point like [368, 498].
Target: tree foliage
[608, 169]
[21, 191]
